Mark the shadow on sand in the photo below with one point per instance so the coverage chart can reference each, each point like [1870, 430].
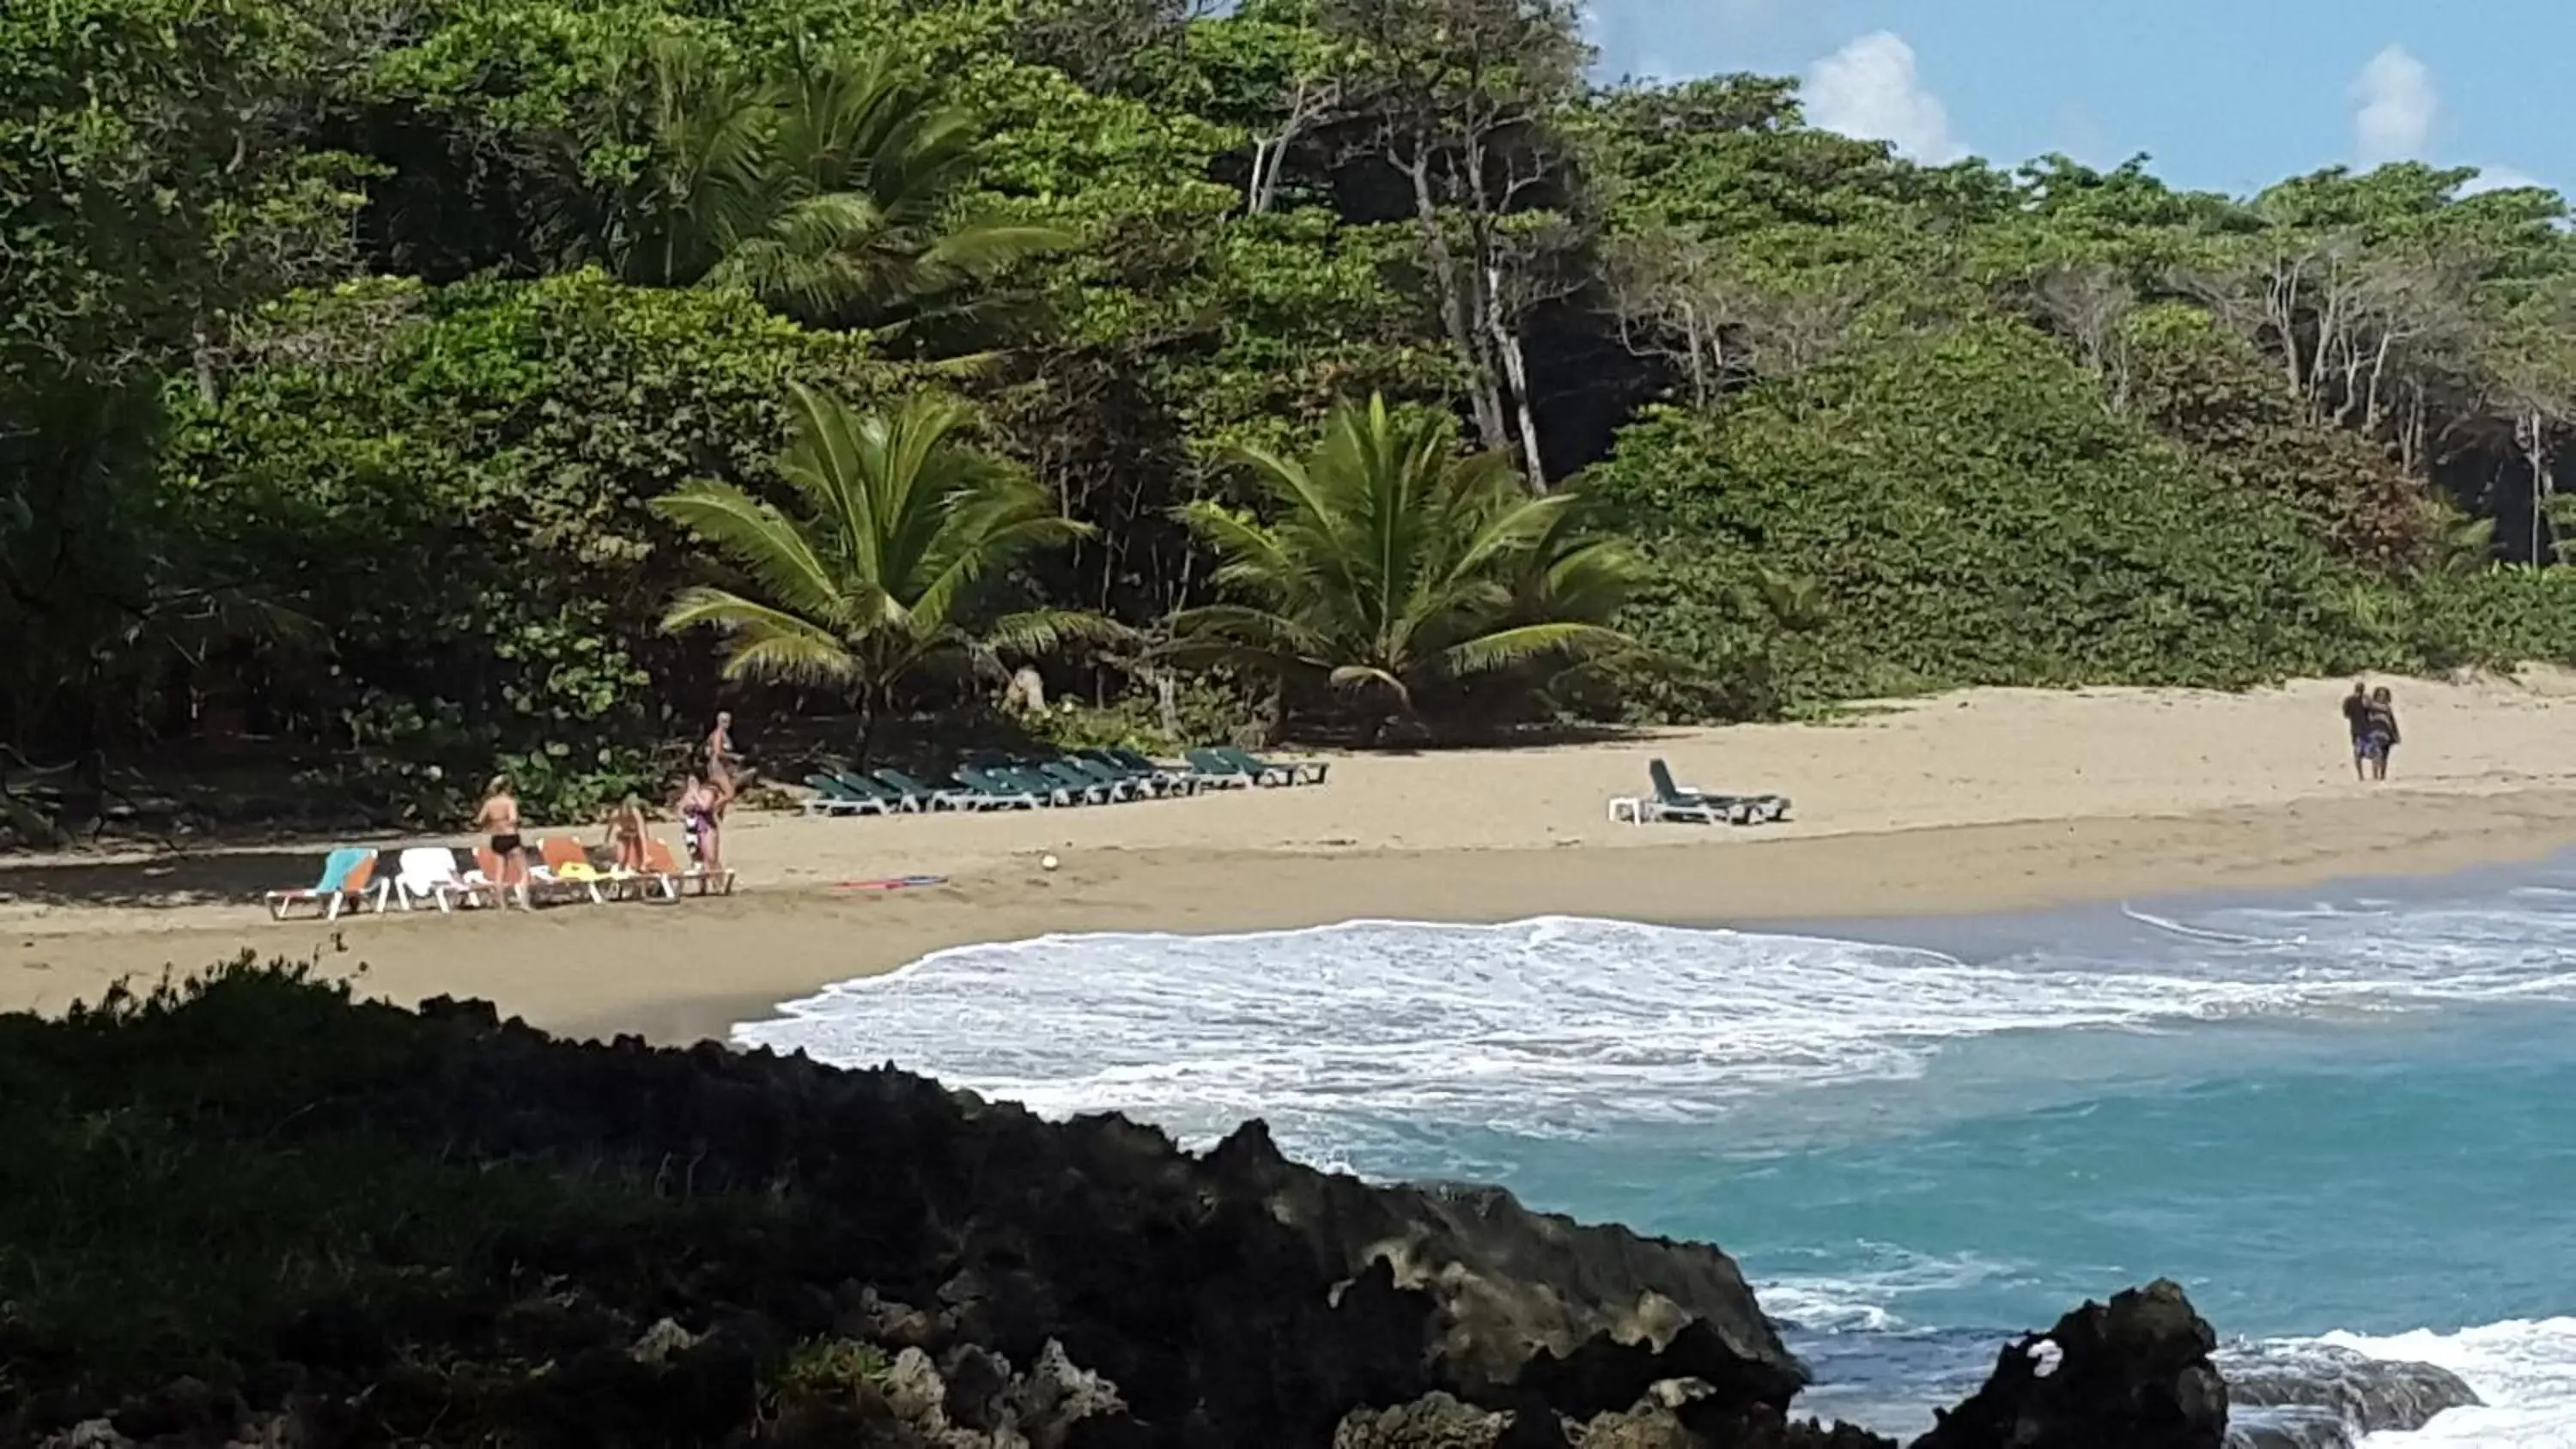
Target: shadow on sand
[162, 882]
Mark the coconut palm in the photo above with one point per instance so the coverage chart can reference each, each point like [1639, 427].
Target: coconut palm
[830, 191]
[1391, 565]
[878, 580]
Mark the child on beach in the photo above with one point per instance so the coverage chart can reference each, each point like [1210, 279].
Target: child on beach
[2381, 723]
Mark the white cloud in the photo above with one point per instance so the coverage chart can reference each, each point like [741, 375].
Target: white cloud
[1870, 89]
[2500, 178]
[2396, 106]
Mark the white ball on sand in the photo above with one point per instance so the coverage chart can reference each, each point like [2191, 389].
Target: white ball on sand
[1048, 862]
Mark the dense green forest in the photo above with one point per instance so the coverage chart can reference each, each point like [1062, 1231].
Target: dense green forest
[418, 384]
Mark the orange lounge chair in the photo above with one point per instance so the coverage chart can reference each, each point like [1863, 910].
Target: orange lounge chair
[347, 874]
[486, 875]
[566, 869]
[658, 860]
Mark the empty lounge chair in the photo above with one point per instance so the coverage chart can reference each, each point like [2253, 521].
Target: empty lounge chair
[347, 874]
[997, 789]
[1288, 772]
[1069, 776]
[428, 873]
[919, 796]
[1210, 768]
[833, 797]
[1672, 802]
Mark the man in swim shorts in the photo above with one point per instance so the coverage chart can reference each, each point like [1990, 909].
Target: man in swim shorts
[2356, 718]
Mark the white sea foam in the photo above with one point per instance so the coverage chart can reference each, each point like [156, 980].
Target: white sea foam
[2525, 1372]
[1870, 1290]
[1552, 1027]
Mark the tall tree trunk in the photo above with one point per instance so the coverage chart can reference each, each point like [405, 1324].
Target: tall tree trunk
[867, 724]
[1456, 312]
[1508, 345]
[2532, 431]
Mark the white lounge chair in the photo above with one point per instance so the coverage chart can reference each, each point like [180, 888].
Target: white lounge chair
[428, 873]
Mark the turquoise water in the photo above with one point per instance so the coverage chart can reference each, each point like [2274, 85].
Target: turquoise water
[2346, 1117]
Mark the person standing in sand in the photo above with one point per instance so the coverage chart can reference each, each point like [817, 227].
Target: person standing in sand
[2356, 719]
[626, 835]
[499, 819]
[720, 755]
[2381, 720]
[701, 807]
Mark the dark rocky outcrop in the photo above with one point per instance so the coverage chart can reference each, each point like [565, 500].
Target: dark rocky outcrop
[2298, 1395]
[720, 1248]
[2131, 1374]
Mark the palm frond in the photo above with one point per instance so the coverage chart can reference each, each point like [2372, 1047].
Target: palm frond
[759, 539]
[764, 642]
[1047, 631]
[1507, 647]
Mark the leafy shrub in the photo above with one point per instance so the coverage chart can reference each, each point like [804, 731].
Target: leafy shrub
[458, 480]
[1969, 513]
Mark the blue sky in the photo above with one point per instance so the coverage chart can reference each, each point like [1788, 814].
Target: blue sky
[2227, 95]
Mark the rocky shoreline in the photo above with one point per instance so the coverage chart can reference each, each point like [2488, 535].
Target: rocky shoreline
[617, 1244]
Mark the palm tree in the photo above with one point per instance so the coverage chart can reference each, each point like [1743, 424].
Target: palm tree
[878, 581]
[1391, 566]
[830, 192]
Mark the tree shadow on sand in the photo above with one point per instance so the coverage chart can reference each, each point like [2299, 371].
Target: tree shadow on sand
[231, 877]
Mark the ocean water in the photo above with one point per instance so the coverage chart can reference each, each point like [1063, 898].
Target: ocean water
[2347, 1117]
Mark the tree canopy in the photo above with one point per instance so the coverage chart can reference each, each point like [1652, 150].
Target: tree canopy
[346, 348]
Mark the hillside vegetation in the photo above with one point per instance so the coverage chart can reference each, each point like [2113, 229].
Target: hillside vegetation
[349, 353]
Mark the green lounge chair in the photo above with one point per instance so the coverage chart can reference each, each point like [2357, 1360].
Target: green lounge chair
[1172, 777]
[996, 791]
[891, 801]
[1672, 802]
[831, 797]
[928, 797]
[1213, 769]
[1123, 783]
[1293, 772]
[1073, 777]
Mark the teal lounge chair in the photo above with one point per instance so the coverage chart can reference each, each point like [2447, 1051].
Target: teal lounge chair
[1173, 777]
[831, 797]
[1123, 783]
[995, 791]
[347, 876]
[1214, 769]
[1672, 802]
[928, 797]
[1294, 772]
[892, 801]
[1091, 787]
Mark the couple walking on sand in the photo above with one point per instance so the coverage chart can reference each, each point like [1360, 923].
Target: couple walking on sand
[701, 805]
[2372, 717]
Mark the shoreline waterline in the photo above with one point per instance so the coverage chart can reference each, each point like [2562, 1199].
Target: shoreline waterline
[689, 973]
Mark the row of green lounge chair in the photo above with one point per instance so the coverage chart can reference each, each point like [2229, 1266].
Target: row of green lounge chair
[1076, 777]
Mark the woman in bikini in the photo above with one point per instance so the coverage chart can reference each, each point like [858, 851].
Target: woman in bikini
[499, 818]
[702, 823]
[625, 840]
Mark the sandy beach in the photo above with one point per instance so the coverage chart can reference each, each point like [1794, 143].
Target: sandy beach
[1982, 801]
